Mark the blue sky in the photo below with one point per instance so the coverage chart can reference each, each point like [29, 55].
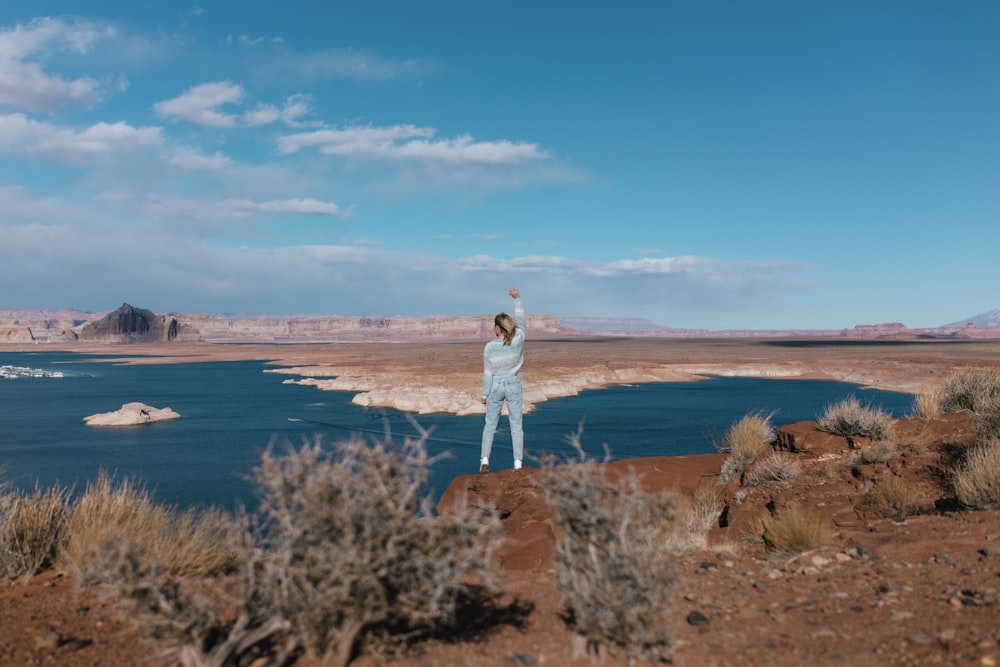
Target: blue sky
[719, 165]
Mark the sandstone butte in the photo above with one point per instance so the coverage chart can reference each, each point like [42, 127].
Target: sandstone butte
[918, 591]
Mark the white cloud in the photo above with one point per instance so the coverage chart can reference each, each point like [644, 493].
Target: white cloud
[188, 161]
[295, 206]
[190, 271]
[17, 130]
[358, 64]
[101, 138]
[295, 107]
[409, 142]
[20, 135]
[25, 83]
[199, 104]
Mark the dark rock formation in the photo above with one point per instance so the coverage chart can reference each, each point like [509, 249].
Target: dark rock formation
[128, 324]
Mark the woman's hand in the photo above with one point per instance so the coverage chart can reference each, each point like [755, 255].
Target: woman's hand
[513, 293]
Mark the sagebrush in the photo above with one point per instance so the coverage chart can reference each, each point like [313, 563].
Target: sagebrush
[343, 557]
[976, 479]
[976, 391]
[972, 390]
[364, 563]
[615, 581]
[774, 467]
[848, 417]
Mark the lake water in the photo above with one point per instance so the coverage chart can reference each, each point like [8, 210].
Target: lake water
[232, 411]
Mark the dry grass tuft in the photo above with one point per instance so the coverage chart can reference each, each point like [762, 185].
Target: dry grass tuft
[706, 507]
[615, 581]
[107, 515]
[893, 498]
[926, 405]
[792, 530]
[32, 531]
[775, 467]
[744, 441]
[976, 479]
[848, 417]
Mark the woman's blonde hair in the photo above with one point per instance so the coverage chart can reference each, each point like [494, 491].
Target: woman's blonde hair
[507, 326]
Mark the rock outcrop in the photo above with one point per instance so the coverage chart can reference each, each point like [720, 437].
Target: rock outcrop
[128, 324]
[16, 334]
[131, 414]
[527, 520]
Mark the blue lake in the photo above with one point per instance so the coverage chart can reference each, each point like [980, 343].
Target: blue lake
[232, 411]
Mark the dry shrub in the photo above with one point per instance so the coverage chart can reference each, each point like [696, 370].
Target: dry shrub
[893, 498]
[848, 417]
[189, 615]
[343, 557]
[107, 515]
[615, 582]
[744, 441]
[976, 390]
[32, 531]
[775, 467]
[792, 530]
[926, 405]
[988, 422]
[877, 452]
[976, 479]
[364, 564]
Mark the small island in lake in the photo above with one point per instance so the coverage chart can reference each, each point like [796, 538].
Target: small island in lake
[131, 414]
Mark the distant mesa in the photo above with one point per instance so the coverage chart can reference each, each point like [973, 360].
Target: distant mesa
[129, 324]
[131, 414]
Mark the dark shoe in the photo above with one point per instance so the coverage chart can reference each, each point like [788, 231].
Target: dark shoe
[484, 468]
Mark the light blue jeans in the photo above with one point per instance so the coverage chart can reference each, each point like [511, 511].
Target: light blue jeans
[504, 389]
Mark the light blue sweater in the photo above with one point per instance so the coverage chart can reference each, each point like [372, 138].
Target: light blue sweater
[504, 361]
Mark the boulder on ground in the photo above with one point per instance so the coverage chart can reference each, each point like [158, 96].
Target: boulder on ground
[131, 414]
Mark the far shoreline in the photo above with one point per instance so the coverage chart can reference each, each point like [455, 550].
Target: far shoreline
[443, 376]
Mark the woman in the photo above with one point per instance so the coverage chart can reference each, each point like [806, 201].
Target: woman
[502, 360]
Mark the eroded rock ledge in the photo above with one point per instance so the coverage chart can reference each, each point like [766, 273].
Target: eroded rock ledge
[458, 393]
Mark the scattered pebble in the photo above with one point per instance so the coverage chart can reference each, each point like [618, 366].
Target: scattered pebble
[697, 618]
